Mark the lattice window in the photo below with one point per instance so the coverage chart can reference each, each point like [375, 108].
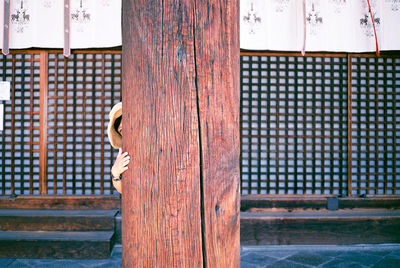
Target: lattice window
[19, 141]
[293, 125]
[376, 126]
[82, 90]
[294, 136]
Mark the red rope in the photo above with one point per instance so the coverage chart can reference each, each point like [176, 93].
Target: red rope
[373, 25]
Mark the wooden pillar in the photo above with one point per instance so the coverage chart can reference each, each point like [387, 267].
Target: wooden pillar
[44, 72]
[180, 93]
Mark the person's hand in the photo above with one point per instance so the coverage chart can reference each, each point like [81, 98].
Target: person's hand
[121, 163]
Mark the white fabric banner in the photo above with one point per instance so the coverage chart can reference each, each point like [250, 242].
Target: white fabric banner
[40, 23]
[331, 25]
[390, 11]
[258, 18]
[95, 22]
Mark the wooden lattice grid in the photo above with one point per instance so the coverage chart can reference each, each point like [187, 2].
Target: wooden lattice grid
[55, 128]
[82, 90]
[300, 132]
[19, 153]
[375, 126]
[294, 125]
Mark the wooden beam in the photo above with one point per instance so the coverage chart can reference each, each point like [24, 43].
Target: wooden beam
[349, 127]
[290, 53]
[217, 56]
[259, 203]
[44, 70]
[248, 203]
[180, 92]
[161, 226]
[61, 202]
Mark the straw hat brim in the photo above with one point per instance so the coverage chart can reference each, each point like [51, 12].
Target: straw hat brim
[113, 135]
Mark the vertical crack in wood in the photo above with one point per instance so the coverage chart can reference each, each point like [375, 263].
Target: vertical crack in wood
[162, 34]
[202, 201]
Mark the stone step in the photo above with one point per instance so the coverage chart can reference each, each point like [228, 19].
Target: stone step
[56, 220]
[367, 226]
[118, 229]
[56, 244]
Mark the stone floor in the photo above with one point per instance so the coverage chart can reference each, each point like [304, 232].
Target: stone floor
[384, 255]
[387, 255]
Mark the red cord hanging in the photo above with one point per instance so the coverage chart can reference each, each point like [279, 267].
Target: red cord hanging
[373, 25]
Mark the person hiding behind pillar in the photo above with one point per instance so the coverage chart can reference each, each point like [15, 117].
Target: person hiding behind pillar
[114, 131]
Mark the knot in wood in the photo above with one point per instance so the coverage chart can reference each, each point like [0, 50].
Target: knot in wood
[181, 51]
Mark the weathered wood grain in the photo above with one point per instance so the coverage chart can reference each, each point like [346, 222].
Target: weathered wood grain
[180, 92]
[217, 66]
[161, 226]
